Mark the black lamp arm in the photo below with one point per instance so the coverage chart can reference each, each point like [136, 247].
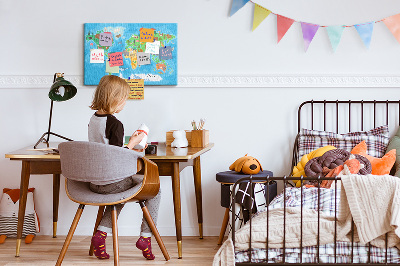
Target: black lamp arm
[45, 140]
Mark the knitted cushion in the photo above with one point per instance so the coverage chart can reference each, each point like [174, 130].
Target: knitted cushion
[332, 159]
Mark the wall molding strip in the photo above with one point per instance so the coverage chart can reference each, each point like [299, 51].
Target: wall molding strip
[208, 81]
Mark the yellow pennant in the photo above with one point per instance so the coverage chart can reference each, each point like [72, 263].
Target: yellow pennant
[260, 13]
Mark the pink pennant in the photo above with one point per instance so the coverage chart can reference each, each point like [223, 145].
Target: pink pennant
[309, 31]
[283, 25]
[393, 23]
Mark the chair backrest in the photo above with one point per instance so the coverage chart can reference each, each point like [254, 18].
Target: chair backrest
[93, 162]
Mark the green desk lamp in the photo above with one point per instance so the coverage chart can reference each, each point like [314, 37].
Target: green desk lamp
[61, 90]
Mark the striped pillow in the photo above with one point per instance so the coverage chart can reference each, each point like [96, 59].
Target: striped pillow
[377, 140]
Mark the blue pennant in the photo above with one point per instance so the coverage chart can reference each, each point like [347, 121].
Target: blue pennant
[236, 5]
[365, 32]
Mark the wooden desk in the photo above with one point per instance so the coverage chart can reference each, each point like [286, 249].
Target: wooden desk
[170, 162]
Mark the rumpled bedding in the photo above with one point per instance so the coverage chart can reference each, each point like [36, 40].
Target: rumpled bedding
[310, 208]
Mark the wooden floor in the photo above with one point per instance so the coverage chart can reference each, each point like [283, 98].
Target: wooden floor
[44, 250]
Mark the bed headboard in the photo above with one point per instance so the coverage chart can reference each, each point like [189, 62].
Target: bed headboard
[347, 116]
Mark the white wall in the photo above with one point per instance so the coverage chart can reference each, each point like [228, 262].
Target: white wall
[40, 38]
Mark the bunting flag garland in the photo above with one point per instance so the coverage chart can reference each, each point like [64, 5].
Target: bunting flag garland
[236, 5]
[335, 34]
[393, 24]
[365, 32]
[309, 30]
[260, 13]
[283, 25]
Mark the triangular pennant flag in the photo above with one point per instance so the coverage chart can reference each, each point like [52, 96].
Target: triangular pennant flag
[335, 34]
[236, 5]
[309, 31]
[283, 24]
[393, 23]
[260, 13]
[365, 32]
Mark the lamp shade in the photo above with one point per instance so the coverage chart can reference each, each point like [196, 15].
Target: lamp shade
[62, 90]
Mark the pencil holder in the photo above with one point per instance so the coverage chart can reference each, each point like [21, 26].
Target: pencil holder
[199, 138]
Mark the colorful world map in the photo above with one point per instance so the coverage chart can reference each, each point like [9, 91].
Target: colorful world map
[145, 51]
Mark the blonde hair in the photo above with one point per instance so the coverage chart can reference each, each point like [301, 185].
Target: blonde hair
[109, 93]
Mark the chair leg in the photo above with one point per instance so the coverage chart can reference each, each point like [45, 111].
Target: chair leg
[154, 230]
[98, 220]
[223, 227]
[115, 234]
[70, 234]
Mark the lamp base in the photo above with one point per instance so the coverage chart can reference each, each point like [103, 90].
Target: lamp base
[46, 140]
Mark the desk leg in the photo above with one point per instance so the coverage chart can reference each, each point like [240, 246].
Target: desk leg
[56, 199]
[197, 187]
[25, 175]
[176, 190]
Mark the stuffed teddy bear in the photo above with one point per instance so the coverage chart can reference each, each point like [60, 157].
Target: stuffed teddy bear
[9, 205]
[180, 140]
[246, 165]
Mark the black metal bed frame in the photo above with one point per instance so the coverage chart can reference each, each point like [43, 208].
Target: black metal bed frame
[337, 108]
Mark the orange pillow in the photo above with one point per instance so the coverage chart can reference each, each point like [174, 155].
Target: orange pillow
[380, 166]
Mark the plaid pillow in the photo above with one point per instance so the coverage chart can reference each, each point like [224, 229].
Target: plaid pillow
[377, 139]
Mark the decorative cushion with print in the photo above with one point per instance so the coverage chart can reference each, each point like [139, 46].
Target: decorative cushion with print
[394, 143]
[9, 205]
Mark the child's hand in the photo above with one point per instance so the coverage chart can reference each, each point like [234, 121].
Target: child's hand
[135, 139]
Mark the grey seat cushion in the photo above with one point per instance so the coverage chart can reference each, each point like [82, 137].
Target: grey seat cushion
[79, 191]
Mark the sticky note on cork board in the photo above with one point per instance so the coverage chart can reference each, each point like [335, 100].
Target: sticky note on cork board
[137, 89]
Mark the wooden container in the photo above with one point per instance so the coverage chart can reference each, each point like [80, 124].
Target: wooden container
[199, 138]
[170, 138]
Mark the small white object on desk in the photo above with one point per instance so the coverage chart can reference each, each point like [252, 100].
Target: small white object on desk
[180, 140]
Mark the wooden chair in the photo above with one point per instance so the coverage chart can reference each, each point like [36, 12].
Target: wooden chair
[83, 162]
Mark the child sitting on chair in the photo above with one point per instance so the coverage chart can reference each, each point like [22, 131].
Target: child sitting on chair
[110, 98]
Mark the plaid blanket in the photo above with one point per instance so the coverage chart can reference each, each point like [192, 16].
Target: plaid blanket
[326, 254]
[244, 201]
[292, 198]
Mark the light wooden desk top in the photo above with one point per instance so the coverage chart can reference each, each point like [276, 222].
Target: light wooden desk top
[163, 153]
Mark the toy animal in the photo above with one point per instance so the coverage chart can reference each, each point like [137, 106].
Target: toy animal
[180, 140]
[9, 205]
[246, 165]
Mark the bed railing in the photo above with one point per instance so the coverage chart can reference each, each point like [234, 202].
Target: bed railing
[285, 180]
[345, 116]
[338, 117]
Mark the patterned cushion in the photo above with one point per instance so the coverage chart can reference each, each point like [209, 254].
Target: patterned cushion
[377, 139]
